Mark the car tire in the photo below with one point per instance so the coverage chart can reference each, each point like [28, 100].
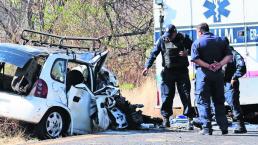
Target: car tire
[53, 125]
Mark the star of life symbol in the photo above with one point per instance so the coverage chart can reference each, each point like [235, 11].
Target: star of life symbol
[216, 8]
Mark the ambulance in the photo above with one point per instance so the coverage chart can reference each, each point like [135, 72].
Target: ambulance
[235, 19]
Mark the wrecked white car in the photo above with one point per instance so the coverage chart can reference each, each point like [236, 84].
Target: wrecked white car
[53, 90]
[62, 91]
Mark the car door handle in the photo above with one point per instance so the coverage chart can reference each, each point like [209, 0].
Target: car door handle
[76, 99]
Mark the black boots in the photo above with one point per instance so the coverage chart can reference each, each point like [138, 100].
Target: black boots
[190, 125]
[206, 131]
[197, 123]
[166, 122]
[240, 127]
[224, 132]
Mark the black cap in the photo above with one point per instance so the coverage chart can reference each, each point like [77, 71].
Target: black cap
[170, 29]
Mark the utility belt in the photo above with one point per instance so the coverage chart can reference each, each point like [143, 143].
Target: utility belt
[183, 69]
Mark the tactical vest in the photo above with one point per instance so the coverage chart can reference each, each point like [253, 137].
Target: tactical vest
[171, 58]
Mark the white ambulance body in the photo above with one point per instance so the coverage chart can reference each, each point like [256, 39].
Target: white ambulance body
[236, 19]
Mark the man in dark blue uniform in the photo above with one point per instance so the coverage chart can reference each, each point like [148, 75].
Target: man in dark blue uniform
[234, 70]
[210, 53]
[174, 48]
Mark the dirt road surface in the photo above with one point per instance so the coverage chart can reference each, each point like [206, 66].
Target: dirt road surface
[156, 137]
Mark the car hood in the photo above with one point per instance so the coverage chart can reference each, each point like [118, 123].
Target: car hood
[18, 55]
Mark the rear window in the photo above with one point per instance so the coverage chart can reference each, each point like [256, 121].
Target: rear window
[20, 80]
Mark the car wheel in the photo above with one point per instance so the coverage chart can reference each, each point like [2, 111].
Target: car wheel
[52, 125]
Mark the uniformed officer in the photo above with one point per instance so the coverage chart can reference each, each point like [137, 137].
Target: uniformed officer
[210, 53]
[234, 70]
[174, 48]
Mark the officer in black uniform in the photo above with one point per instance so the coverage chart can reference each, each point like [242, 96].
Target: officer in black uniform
[174, 48]
[210, 53]
[234, 70]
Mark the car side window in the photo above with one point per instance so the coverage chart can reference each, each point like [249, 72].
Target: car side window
[58, 70]
[83, 68]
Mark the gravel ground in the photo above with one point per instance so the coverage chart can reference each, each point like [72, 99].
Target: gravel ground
[157, 137]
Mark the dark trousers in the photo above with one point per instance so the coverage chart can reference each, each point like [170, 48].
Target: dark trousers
[232, 98]
[170, 79]
[210, 85]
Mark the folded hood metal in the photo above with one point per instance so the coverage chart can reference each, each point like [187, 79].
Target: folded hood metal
[97, 60]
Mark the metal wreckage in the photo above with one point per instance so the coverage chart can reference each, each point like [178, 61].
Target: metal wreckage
[62, 88]
[115, 112]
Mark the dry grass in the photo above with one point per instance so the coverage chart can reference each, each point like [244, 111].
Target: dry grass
[18, 139]
[11, 132]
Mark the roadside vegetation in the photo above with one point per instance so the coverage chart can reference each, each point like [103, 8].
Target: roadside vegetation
[128, 25]
[11, 132]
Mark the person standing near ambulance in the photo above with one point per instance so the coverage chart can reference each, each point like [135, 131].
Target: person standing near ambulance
[235, 69]
[210, 53]
[174, 48]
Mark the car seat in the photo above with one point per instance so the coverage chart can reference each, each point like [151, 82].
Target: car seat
[24, 77]
[73, 78]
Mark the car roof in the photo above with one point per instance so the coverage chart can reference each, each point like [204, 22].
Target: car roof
[26, 49]
[17, 54]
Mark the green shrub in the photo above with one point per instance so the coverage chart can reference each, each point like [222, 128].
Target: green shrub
[127, 86]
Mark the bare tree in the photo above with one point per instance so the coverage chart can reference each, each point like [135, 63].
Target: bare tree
[9, 20]
[131, 27]
[20, 14]
[127, 25]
